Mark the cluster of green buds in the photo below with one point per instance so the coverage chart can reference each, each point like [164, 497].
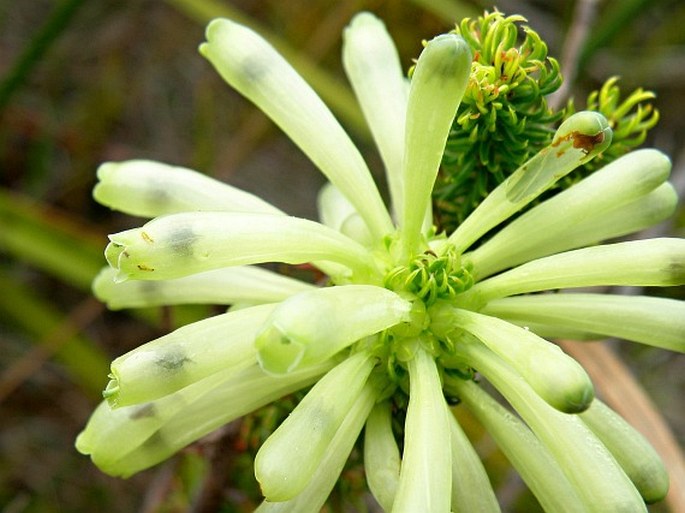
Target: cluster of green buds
[504, 117]
[408, 317]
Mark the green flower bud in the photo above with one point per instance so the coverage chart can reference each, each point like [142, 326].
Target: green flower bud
[633, 452]
[381, 456]
[313, 326]
[181, 244]
[579, 139]
[312, 498]
[290, 456]
[580, 454]
[150, 189]
[655, 321]
[531, 458]
[225, 286]
[426, 473]
[373, 66]
[575, 217]
[437, 87]
[555, 376]
[126, 440]
[650, 262]
[185, 356]
[252, 66]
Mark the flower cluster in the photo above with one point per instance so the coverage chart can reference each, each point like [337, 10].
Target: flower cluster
[407, 312]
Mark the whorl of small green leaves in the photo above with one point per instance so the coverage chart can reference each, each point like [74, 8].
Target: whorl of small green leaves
[503, 118]
[430, 277]
[630, 120]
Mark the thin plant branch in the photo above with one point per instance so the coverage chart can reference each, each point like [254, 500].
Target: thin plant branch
[583, 18]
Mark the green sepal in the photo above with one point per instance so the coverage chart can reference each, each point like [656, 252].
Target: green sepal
[150, 189]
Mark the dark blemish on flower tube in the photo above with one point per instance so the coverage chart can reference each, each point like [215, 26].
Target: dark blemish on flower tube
[173, 360]
[148, 289]
[676, 272]
[145, 268]
[143, 412]
[157, 196]
[181, 242]
[254, 70]
[154, 443]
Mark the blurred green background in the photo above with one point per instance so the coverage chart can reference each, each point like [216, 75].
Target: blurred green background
[82, 82]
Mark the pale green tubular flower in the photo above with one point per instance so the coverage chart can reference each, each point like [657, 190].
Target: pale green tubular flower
[408, 316]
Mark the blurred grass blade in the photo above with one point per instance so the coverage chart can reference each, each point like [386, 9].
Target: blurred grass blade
[615, 19]
[36, 48]
[49, 241]
[85, 363]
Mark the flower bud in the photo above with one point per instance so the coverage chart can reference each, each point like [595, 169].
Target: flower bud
[313, 326]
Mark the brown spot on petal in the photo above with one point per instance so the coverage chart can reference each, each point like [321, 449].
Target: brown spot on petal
[587, 143]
